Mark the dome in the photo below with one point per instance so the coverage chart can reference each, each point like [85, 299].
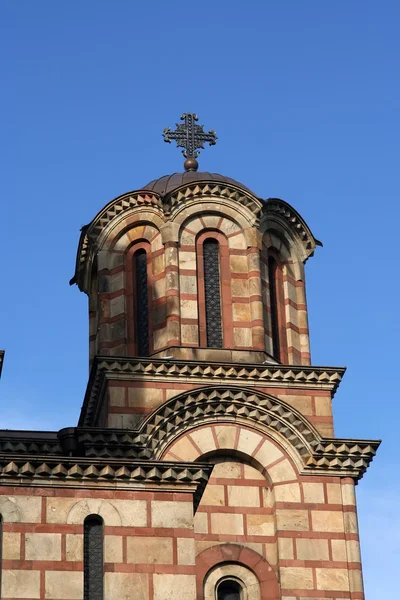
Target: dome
[168, 183]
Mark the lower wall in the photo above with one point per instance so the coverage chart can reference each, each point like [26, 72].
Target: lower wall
[149, 551]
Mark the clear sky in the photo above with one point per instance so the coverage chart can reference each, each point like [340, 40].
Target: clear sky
[304, 97]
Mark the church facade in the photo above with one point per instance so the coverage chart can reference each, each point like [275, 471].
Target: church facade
[204, 464]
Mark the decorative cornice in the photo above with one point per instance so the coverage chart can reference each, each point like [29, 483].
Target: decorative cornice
[204, 189]
[48, 471]
[197, 407]
[109, 452]
[106, 367]
[90, 232]
[276, 206]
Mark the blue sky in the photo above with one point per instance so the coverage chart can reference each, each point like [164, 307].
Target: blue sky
[304, 97]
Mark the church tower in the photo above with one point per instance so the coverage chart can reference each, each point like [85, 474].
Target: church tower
[204, 464]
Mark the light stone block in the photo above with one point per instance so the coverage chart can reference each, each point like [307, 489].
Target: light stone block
[21, 509]
[356, 581]
[242, 337]
[200, 522]
[171, 514]
[204, 439]
[260, 525]
[214, 495]
[314, 493]
[292, 520]
[63, 585]
[228, 470]
[348, 494]
[113, 548]
[285, 548]
[237, 242]
[231, 524]
[248, 441]
[252, 473]
[302, 403]
[145, 397]
[243, 495]
[20, 584]
[116, 396]
[312, 549]
[271, 553]
[174, 587]
[189, 334]
[350, 522]
[186, 551]
[187, 260]
[11, 546]
[189, 309]
[339, 552]
[241, 312]
[332, 580]
[353, 551]
[288, 492]
[294, 578]
[282, 471]
[188, 284]
[334, 493]
[117, 306]
[149, 550]
[240, 288]
[185, 450]
[43, 546]
[323, 406]
[74, 546]
[226, 436]
[327, 520]
[268, 453]
[126, 586]
[238, 264]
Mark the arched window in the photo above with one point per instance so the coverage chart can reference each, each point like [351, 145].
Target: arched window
[141, 300]
[212, 293]
[277, 307]
[93, 558]
[229, 589]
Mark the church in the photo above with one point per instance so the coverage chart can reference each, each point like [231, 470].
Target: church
[204, 464]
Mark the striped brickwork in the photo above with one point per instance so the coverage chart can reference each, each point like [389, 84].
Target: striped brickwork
[304, 527]
[149, 547]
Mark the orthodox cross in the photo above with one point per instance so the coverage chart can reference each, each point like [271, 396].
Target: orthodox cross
[191, 137]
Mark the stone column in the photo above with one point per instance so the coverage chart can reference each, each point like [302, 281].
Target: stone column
[254, 242]
[352, 539]
[169, 235]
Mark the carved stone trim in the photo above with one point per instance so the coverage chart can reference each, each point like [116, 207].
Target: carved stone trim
[295, 222]
[49, 471]
[231, 373]
[214, 189]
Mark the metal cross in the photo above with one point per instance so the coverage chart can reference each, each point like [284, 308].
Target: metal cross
[190, 136]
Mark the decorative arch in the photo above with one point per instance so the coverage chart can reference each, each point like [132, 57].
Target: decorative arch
[233, 404]
[236, 554]
[92, 506]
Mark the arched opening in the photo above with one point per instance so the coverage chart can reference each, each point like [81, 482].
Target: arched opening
[93, 558]
[229, 589]
[141, 302]
[277, 309]
[212, 293]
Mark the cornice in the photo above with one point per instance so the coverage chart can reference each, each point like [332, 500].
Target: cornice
[106, 367]
[283, 210]
[205, 189]
[121, 474]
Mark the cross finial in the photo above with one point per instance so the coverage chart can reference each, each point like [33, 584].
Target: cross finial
[191, 137]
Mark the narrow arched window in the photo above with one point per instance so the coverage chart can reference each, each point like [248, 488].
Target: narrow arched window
[141, 300]
[93, 558]
[229, 589]
[212, 293]
[273, 303]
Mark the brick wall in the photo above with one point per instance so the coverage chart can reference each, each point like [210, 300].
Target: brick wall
[148, 543]
[304, 526]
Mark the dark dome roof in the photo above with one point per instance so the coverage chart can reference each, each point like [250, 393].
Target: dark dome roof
[167, 183]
